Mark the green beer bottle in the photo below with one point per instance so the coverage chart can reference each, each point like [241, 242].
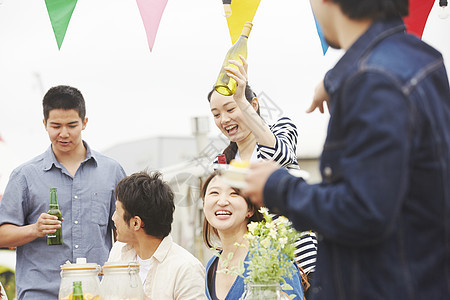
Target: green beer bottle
[77, 291]
[54, 238]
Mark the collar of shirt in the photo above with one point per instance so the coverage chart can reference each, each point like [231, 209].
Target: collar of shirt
[129, 254]
[50, 158]
[378, 31]
[255, 155]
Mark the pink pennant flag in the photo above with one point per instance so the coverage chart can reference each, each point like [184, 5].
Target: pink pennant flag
[151, 13]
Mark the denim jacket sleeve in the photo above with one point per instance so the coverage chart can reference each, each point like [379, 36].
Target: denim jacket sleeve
[366, 149]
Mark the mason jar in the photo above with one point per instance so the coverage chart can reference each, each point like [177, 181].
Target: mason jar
[86, 273]
[121, 281]
[271, 291]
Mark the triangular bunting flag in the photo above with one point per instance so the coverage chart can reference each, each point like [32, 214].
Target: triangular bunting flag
[242, 11]
[322, 38]
[151, 13]
[60, 12]
[418, 15]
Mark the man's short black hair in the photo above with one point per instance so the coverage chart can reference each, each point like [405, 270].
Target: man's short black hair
[150, 198]
[373, 9]
[64, 97]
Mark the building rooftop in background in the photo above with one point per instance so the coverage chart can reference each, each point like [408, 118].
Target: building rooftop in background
[156, 153]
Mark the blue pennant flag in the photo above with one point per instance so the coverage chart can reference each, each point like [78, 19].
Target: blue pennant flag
[322, 38]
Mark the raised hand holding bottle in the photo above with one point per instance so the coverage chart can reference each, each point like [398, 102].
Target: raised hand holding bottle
[224, 84]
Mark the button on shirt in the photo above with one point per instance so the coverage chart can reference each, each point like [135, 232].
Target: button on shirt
[86, 201]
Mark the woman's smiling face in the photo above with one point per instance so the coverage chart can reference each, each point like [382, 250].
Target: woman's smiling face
[224, 208]
[228, 117]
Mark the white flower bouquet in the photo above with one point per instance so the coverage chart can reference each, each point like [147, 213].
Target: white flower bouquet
[271, 249]
[270, 257]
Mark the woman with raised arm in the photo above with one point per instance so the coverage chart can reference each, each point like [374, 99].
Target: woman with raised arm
[238, 118]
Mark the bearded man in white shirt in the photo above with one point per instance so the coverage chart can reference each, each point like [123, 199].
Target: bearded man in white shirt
[143, 220]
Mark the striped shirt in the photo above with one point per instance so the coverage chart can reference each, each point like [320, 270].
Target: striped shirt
[306, 251]
[285, 150]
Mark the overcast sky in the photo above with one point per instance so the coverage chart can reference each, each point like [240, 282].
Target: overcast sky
[132, 93]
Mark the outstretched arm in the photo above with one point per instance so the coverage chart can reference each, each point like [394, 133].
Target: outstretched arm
[359, 201]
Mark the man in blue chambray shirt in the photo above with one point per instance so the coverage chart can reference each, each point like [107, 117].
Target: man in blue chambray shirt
[382, 211]
[85, 182]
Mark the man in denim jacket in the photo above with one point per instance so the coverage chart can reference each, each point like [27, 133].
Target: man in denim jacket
[383, 209]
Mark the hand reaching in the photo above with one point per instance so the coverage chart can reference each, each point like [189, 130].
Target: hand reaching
[320, 96]
[256, 179]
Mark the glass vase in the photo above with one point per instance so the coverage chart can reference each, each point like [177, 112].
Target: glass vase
[255, 291]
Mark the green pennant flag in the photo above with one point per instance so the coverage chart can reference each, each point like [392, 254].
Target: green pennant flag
[60, 12]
